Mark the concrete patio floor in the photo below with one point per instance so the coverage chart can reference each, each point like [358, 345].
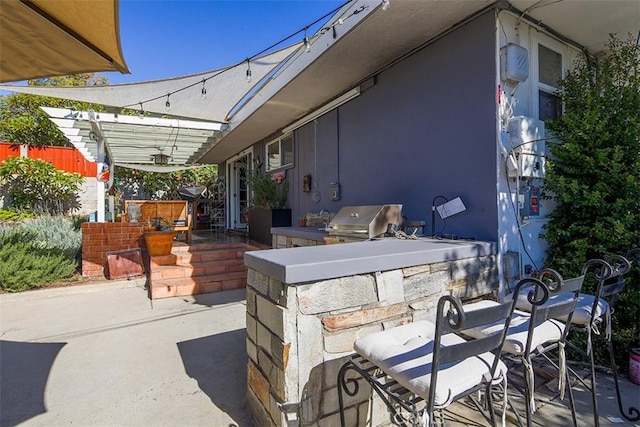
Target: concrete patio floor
[105, 355]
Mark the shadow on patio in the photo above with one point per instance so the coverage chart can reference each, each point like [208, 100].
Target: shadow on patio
[24, 372]
[219, 364]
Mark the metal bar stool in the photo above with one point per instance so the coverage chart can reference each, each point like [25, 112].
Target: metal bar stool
[536, 332]
[594, 311]
[430, 363]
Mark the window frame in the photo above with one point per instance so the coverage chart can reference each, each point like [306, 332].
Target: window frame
[281, 166]
[558, 48]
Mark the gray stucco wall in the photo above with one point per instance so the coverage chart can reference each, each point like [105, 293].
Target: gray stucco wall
[427, 128]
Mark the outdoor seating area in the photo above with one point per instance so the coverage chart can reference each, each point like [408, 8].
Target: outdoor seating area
[174, 212]
[365, 213]
[418, 370]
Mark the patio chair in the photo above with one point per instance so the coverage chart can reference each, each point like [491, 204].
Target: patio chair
[423, 367]
[537, 332]
[594, 311]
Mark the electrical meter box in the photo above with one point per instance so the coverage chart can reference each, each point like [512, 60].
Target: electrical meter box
[527, 141]
[514, 63]
[529, 201]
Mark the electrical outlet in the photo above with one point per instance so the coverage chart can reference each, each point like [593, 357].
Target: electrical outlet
[334, 191]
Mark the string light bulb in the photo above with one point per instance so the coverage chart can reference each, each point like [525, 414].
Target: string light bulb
[385, 5]
[248, 71]
[168, 103]
[141, 114]
[203, 91]
[115, 117]
[307, 44]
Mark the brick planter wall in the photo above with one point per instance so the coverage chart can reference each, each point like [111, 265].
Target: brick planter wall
[98, 238]
[298, 336]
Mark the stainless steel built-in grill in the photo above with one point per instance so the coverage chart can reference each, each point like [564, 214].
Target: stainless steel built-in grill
[365, 222]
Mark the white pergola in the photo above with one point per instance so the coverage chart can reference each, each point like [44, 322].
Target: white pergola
[134, 139]
[123, 140]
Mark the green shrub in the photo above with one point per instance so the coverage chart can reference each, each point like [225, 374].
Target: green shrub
[39, 251]
[36, 186]
[77, 220]
[23, 266]
[13, 215]
[55, 233]
[594, 176]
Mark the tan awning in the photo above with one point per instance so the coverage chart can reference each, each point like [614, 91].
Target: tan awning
[44, 38]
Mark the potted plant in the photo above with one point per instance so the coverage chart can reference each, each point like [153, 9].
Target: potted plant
[159, 236]
[268, 203]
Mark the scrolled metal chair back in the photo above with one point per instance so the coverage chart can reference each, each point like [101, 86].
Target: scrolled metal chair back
[601, 269]
[537, 291]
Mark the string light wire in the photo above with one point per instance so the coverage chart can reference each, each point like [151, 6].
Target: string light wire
[248, 60]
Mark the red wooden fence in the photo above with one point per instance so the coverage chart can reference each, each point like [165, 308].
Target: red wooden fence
[63, 158]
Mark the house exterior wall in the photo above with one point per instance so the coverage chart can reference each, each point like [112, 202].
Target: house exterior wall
[524, 101]
[432, 125]
[426, 128]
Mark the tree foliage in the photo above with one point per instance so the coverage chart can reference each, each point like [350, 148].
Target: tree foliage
[594, 173]
[156, 185]
[22, 121]
[36, 186]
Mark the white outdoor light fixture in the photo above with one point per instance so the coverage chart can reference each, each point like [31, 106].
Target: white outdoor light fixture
[160, 159]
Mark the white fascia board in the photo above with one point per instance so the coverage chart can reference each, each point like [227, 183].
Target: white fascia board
[65, 113]
[301, 59]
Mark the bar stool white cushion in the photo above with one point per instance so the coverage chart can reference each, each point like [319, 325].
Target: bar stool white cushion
[516, 341]
[405, 353]
[582, 312]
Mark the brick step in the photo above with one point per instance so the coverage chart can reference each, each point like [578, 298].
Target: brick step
[191, 258]
[182, 286]
[198, 247]
[194, 269]
[203, 255]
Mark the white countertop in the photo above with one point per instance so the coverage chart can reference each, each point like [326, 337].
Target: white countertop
[313, 263]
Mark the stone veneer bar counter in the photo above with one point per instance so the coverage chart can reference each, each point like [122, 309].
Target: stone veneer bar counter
[306, 306]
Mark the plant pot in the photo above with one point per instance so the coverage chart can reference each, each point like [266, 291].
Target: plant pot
[159, 242]
[261, 221]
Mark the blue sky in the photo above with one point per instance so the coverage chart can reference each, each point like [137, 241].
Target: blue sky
[169, 38]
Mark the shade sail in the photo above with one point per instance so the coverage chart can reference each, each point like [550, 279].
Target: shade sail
[225, 87]
[132, 139]
[44, 38]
